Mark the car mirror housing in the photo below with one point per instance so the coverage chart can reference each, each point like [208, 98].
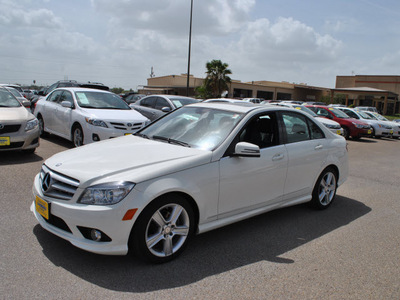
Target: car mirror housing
[244, 149]
[166, 109]
[66, 104]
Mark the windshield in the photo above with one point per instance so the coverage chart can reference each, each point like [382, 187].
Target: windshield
[99, 100]
[364, 115]
[195, 127]
[14, 92]
[8, 100]
[305, 109]
[179, 102]
[338, 113]
[380, 117]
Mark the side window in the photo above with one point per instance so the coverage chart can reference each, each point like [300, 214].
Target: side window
[55, 97]
[351, 114]
[161, 102]
[316, 132]
[66, 96]
[148, 102]
[296, 127]
[261, 131]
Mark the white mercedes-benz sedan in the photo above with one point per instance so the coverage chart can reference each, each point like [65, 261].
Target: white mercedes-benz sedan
[84, 115]
[198, 168]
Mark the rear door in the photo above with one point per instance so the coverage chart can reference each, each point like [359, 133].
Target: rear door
[307, 149]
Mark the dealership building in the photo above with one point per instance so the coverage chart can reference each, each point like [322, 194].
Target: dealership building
[381, 92]
[269, 90]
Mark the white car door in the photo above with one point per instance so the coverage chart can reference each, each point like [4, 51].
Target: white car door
[248, 183]
[48, 110]
[307, 149]
[62, 122]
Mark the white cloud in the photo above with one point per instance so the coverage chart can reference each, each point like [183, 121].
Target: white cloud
[14, 15]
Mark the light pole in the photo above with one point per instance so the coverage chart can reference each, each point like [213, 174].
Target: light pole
[190, 44]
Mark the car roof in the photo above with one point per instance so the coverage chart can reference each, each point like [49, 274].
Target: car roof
[81, 89]
[241, 107]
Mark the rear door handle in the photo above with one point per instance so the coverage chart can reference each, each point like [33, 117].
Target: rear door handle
[319, 147]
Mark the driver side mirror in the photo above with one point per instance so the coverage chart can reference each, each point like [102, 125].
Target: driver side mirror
[244, 149]
[166, 109]
[67, 104]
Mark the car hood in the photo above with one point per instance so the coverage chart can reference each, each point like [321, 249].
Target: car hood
[15, 114]
[128, 158]
[327, 121]
[115, 114]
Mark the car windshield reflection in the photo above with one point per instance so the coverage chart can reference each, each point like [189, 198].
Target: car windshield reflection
[200, 128]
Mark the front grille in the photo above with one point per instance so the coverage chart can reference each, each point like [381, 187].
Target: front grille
[127, 126]
[10, 128]
[57, 185]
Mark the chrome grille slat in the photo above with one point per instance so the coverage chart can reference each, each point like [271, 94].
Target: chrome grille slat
[56, 185]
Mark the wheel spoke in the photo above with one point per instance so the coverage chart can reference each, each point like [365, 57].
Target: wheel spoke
[168, 247]
[181, 230]
[159, 219]
[176, 214]
[154, 240]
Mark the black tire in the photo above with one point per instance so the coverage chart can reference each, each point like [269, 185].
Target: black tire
[346, 133]
[163, 229]
[325, 189]
[41, 126]
[77, 136]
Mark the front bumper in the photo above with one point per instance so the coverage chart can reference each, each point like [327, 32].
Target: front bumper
[72, 216]
[21, 140]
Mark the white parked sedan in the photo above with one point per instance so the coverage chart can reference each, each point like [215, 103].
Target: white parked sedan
[84, 115]
[198, 168]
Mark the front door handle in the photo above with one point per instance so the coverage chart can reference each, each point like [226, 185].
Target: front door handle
[278, 156]
[319, 147]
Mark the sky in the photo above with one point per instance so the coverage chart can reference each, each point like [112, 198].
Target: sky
[118, 42]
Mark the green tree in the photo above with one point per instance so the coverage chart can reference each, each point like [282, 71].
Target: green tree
[217, 79]
[117, 90]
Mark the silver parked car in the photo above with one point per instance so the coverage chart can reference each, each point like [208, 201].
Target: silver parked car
[155, 106]
[19, 129]
[379, 128]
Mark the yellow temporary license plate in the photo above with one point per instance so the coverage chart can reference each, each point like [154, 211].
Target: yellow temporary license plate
[369, 131]
[4, 141]
[338, 132]
[42, 207]
[391, 131]
[128, 134]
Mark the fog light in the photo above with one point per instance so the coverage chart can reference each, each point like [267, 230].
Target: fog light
[95, 137]
[95, 235]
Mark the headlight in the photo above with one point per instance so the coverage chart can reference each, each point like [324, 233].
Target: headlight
[358, 125]
[96, 122]
[106, 194]
[32, 124]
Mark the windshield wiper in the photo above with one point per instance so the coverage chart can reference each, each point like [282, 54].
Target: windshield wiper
[141, 135]
[170, 141]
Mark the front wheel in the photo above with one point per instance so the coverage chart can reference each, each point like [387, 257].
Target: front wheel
[346, 133]
[77, 136]
[163, 229]
[325, 189]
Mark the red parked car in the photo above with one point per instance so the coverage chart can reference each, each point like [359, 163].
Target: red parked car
[351, 127]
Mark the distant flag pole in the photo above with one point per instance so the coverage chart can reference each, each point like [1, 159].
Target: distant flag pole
[190, 44]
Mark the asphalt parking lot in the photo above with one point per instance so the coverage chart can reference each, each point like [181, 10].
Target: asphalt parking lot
[350, 251]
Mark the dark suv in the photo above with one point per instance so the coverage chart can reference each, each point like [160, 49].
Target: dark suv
[74, 83]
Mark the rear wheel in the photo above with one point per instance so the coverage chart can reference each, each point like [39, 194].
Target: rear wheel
[325, 189]
[163, 229]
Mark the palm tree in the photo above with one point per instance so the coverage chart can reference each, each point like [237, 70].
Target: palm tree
[217, 77]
